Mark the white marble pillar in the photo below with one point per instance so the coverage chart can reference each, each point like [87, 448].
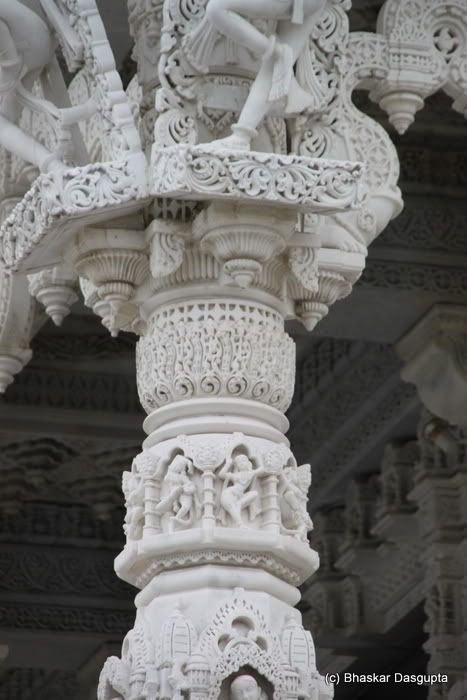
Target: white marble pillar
[217, 516]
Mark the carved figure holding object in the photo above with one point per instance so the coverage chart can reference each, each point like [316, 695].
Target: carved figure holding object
[236, 497]
[275, 88]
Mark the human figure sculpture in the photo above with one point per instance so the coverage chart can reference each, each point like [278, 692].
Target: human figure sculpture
[276, 87]
[245, 687]
[133, 487]
[294, 483]
[26, 48]
[181, 496]
[236, 497]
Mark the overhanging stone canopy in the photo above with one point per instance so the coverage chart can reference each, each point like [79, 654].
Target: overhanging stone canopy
[199, 210]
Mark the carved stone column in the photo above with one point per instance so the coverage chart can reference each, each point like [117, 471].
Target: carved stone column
[203, 235]
[217, 518]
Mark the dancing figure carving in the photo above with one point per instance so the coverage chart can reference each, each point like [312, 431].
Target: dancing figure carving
[276, 88]
[237, 496]
[180, 499]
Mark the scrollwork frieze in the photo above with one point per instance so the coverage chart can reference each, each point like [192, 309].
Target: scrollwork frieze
[198, 172]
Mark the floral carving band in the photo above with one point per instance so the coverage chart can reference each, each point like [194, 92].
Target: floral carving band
[61, 202]
[309, 184]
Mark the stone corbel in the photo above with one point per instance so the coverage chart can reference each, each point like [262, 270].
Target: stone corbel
[434, 353]
[115, 262]
[303, 262]
[321, 275]
[243, 238]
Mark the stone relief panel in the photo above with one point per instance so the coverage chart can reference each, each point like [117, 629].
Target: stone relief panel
[233, 481]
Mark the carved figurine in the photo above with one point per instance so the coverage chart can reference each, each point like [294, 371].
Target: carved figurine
[294, 484]
[133, 488]
[26, 49]
[276, 87]
[236, 497]
[245, 687]
[181, 496]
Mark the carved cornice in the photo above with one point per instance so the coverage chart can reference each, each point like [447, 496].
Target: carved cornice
[94, 347]
[447, 283]
[66, 619]
[46, 570]
[71, 390]
[69, 523]
[420, 166]
[427, 223]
